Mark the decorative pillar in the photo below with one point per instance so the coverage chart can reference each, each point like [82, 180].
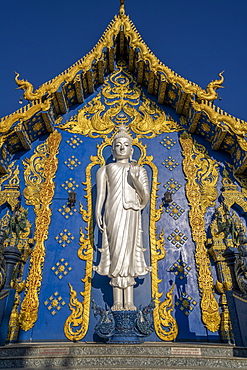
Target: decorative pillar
[11, 256]
[231, 254]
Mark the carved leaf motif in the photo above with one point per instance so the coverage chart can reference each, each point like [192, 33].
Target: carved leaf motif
[191, 164]
[30, 304]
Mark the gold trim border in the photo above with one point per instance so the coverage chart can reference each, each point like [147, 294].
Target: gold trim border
[209, 305]
[30, 304]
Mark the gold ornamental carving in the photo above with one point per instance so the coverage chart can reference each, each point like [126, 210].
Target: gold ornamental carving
[76, 325]
[30, 304]
[191, 164]
[121, 24]
[50, 87]
[120, 93]
[22, 115]
[233, 126]
[34, 175]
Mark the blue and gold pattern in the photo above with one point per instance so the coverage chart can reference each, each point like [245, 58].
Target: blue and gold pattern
[64, 238]
[174, 210]
[119, 97]
[185, 303]
[177, 238]
[61, 268]
[70, 185]
[74, 141]
[170, 163]
[72, 162]
[66, 211]
[172, 186]
[168, 142]
[54, 303]
[180, 269]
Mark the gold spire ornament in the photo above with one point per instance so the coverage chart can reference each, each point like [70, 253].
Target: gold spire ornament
[121, 9]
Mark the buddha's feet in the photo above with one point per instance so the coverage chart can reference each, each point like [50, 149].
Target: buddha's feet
[117, 306]
[129, 306]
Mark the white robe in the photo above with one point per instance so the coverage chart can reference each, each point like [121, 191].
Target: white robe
[122, 257]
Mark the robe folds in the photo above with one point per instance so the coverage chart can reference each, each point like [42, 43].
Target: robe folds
[122, 253]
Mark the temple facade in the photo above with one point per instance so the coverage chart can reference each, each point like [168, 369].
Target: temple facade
[194, 226]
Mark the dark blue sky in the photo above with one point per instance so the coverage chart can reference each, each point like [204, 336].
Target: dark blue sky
[195, 38]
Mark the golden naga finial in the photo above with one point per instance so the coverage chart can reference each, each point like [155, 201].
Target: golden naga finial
[121, 10]
[28, 89]
[211, 88]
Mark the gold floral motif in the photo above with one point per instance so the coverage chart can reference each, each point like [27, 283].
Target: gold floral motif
[191, 164]
[30, 304]
[34, 175]
[171, 94]
[207, 177]
[145, 125]
[165, 324]
[205, 127]
[96, 120]
[82, 124]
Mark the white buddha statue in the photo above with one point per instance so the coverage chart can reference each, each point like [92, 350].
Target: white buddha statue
[124, 186]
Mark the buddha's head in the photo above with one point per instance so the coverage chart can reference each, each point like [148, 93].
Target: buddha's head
[122, 144]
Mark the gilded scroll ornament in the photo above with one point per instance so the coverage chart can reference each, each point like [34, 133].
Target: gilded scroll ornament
[34, 176]
[192, 164]
[30, 304]
[76, 324]
[73, 328]
[122, 99]
[97, 125]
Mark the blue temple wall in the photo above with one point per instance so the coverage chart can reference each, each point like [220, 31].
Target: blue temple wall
[62, 265]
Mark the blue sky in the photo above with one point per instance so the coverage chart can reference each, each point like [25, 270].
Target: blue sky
[196, 38]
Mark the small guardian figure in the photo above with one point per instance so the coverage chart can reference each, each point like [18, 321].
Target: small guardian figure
[123, 187]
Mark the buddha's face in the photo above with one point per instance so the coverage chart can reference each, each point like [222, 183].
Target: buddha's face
[122, 148]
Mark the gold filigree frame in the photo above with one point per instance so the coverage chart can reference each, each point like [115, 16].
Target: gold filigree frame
[76, 325]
